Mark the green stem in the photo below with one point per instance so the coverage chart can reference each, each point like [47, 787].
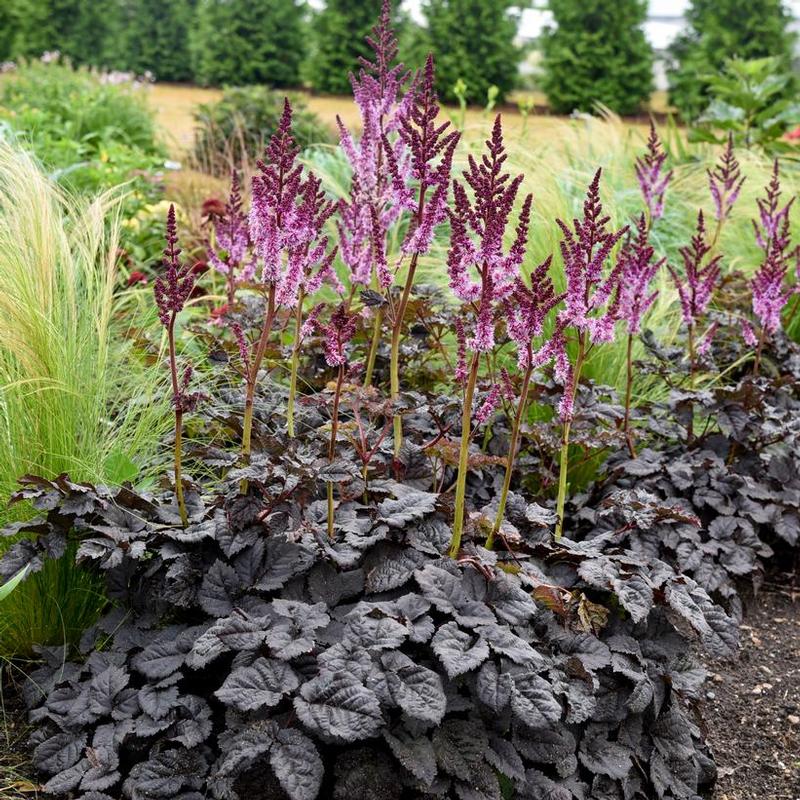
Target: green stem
[463, 459]
[512, 455]
[394, 361]
[332, 443]
[628, 395]
[298, 324]
[565, 430]
[373, 347]
[252, 379]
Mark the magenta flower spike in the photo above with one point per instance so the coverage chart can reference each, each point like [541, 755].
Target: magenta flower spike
[430, 147]
[653, 181]
[287, 218]
[480, 270]
[770, 294]
[592, 308]
[592, 298]
[372, 207]
[638, 271]
[336, 335]
[231, 253]
[725, 182]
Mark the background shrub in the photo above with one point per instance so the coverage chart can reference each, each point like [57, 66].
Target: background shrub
[472, 40]
[236, 127]
[720, 29]
[340, 29]
[263, 42]
[150, 36]
[597, 53]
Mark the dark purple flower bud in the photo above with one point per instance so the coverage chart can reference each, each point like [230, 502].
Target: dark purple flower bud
[241, 341]
[649, 172]
[461, 355]
[489, 405]
[172, 289]
[336, 335]
[725, 182]
[748, 334]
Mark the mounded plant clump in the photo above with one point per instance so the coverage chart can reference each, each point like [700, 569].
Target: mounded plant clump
[360, 598]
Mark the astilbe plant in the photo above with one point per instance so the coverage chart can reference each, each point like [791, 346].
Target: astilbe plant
[288, 213]
[430, 146]
[230, 253]
[172, 290]
[725, 182]
[768, 286]
[591, 311]
[483, 276]
[374, 205]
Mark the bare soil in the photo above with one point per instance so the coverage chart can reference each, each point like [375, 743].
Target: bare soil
[752, 708]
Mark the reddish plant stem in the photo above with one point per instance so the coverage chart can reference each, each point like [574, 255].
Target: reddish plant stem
[332, 444]
[177, 403]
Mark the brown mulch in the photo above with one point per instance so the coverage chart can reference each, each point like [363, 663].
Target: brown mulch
[752, 706]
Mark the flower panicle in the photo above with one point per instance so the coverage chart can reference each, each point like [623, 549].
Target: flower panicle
[173, 288]
[232, 235]
[336, 335]
[638, 270]
[479, 269]
[653, 181]
[431, 148]
[696, 287]
[725, 182]
[586, 248]
[288, 214]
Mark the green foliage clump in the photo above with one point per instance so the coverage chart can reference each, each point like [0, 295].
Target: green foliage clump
[243, 42]
[597, 53]
[91, 135]
[749, 102]
[718, 30]
[236, 128]
[473, 41]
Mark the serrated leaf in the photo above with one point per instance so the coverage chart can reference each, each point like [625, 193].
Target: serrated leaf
[416, 689]
[416, 754]
[458, 651]
[261, 685]
[534, 702]
[339, 708]
[493, 687]
[296, 764]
